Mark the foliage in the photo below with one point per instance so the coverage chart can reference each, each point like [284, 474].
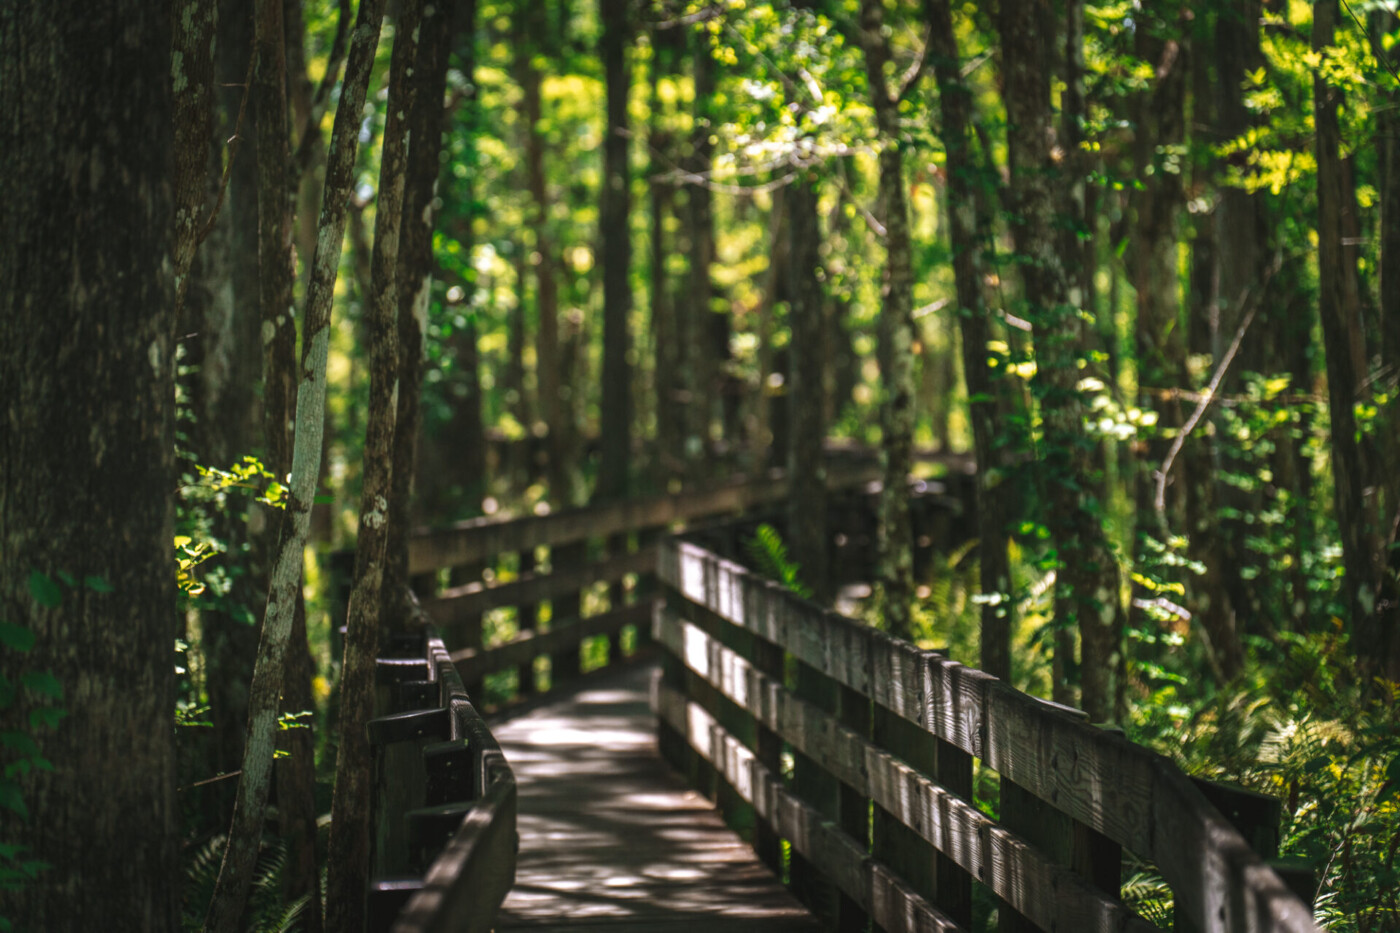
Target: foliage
[34, 700]
[266, 912]
[770, 557]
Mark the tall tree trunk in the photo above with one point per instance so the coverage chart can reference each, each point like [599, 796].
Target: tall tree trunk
[699, 360]
[236, 872]
[529, 27]
[1160, 120]
[1208, 598]
[348, 856]
[1361, 554]
[223, 310]
[1242, 247]
[415, 274]
[87, 344]
[895, 572]
[969, 230]
[1086, 589]
[670, 414]
[296, 775]
[806, 468]
[614, 219]
[192, 76]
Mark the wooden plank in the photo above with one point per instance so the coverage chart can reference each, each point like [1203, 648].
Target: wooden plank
[890, 902]
[1018, 873]
[455, 606]
[610, 836]
[526, 646]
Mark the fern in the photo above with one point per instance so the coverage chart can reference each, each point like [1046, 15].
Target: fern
[266, 912]
[770, 557]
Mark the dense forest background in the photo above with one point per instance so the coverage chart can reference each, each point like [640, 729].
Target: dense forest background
[279, 284]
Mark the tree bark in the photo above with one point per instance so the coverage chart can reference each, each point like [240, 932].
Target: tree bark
[192, 77]
[969, 231]
[614, 217]
[415, 275]
[250, 807]
[806, 468]
[1361, 553]
[895, 573]
[529, 27]
[348, 856]
[670, 413]
[698, 356]
[87, 343]
[1086, 590]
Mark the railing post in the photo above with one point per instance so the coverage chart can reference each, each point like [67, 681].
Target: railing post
[527, 616]
[566, 665]
[822, 792]
[470, 633]
[1092, 856]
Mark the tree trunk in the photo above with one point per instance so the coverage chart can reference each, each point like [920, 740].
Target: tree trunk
[1361, 554]
[670, 414]
[348, 856]
[87, 344]
[699, 360]
[1086, 589]
[895, 573]
[192, 76]
[969, 230]
[415, 275]
[614, 219]
[250, 807]
[806, 468]
[529, 27]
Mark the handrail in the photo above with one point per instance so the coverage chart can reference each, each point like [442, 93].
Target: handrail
[493, 565]
[1072, 794]
[444, 841]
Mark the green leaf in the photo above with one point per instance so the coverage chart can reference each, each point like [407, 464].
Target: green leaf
[16, 636]
[44, 683]
[47, 717]
[45, 591]
[66, 578]
[97, 585]
[21, 742]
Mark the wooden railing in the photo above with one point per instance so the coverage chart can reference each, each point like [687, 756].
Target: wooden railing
[443, 841]
[878, 806]
[594, 566]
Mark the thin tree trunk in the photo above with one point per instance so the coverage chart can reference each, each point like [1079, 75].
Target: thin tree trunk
[235, 874]
[1355, 522]
[192, 76]
[806, 468]
[348, 856]
[969, 231]
[87, 349]
[670, 414]
[698, 359]
[529, 27]
[895, 573]
[614, 217]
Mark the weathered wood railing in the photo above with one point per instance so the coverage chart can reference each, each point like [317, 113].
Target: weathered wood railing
[443, 841]
[878, 809]
[593, 566]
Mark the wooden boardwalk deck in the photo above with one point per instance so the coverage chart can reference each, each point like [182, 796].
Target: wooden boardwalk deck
[612, 841]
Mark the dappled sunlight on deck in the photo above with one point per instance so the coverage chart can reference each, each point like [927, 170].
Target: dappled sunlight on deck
[608, 835]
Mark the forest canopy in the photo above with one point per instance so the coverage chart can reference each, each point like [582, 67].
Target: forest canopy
[360, 271]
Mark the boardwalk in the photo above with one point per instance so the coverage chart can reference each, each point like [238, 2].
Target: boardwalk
[612, 841]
